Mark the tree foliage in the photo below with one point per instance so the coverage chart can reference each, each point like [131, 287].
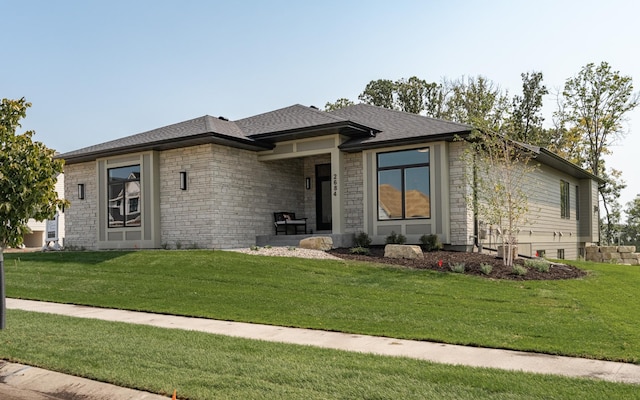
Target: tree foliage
[526, 115]
[597, 102]
[28, 174]
[379, 93]
[631, 230]
[338, 104]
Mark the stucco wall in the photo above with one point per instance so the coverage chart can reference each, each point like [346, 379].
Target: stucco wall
[81, 217]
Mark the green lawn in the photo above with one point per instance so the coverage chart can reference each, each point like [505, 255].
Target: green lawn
[593, 317]
[203, 366]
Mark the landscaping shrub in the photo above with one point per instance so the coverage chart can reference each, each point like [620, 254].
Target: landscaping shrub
[362, 240]
[458, 268]
[430, 243]
[539, 265]
[395, 238]
[519, 270]
[486, 268]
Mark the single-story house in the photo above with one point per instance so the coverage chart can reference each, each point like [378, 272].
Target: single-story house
[214, 183]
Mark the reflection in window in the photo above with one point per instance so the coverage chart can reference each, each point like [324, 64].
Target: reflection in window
[124, 196]
[403, 185]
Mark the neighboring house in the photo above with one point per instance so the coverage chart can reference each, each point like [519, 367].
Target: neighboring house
[43, 232]
[213, 183]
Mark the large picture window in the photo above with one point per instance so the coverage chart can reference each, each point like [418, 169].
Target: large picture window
[403, 185]
[124, 196]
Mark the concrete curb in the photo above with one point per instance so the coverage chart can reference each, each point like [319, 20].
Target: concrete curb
[34, 383]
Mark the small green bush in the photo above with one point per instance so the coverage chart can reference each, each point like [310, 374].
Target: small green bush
[539, 265]
[458, 267]
[359, 250]
[430, 243]
[254, 248]
[486, 268]
[362, 240]
[395, 238]
[519, 270]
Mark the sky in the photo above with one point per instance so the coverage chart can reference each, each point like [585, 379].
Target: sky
[95, 71]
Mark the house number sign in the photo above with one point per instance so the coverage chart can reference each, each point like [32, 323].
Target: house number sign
[335, 184]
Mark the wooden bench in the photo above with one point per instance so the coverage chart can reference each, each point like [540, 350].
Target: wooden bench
[284, 220]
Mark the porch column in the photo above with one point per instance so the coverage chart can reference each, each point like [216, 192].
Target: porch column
[337, 191]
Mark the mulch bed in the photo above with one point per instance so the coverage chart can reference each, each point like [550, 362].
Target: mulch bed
[472, 263]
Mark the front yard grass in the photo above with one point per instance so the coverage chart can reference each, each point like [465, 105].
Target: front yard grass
[203, 366]
[593, 317]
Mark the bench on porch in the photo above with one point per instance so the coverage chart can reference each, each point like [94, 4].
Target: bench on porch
[284, 220]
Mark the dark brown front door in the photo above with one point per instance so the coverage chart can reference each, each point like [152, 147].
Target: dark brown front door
[323, 197]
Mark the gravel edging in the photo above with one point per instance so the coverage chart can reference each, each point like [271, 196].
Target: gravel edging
[278, 251]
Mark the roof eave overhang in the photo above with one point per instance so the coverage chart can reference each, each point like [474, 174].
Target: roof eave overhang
[344, 128]
[353, 147]
[206, 138]
[553, 160]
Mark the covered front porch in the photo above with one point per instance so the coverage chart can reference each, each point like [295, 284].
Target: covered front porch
[324, 194]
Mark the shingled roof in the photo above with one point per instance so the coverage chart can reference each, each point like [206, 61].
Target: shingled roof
[396, 126]
[366, 126]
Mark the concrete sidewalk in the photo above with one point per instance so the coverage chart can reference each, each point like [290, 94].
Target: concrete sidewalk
[436, 352]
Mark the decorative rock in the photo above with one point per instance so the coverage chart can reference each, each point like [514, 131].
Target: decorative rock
[608, 249]
[626, 249]
[323, 243]
[592, 249]
[402, 251]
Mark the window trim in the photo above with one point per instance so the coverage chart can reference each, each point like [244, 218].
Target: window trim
[125, 201]
[402, 168]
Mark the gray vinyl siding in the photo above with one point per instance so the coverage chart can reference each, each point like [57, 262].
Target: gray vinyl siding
[545, 229]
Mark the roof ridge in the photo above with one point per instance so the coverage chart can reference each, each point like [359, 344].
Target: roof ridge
[403, 113]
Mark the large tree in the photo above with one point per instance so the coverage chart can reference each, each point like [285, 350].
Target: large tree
[526, 115]
[597, 102]
[595, 105]
[631, 230]
[477, 101]
[380, 93]
[28, 174]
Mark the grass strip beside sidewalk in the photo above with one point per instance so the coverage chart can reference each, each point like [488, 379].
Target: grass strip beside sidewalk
[594, 317]
[204, 366]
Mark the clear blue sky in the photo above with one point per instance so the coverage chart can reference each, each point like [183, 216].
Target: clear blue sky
[100, 70]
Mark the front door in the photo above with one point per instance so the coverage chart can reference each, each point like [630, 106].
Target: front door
[323, 197]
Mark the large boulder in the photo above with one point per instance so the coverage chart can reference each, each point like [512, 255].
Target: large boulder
[323, 243]
[402, 251]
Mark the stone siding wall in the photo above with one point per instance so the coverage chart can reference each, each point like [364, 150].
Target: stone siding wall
[461, 213]
[81, 218]
[231, 196]
[613, 254]
[354, 193]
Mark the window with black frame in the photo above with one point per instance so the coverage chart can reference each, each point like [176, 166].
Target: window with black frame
[404, 184]
[124, 196]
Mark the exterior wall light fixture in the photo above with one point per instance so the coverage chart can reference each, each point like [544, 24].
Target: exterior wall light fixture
[183, 180]
[81, 191]
[307, 183]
